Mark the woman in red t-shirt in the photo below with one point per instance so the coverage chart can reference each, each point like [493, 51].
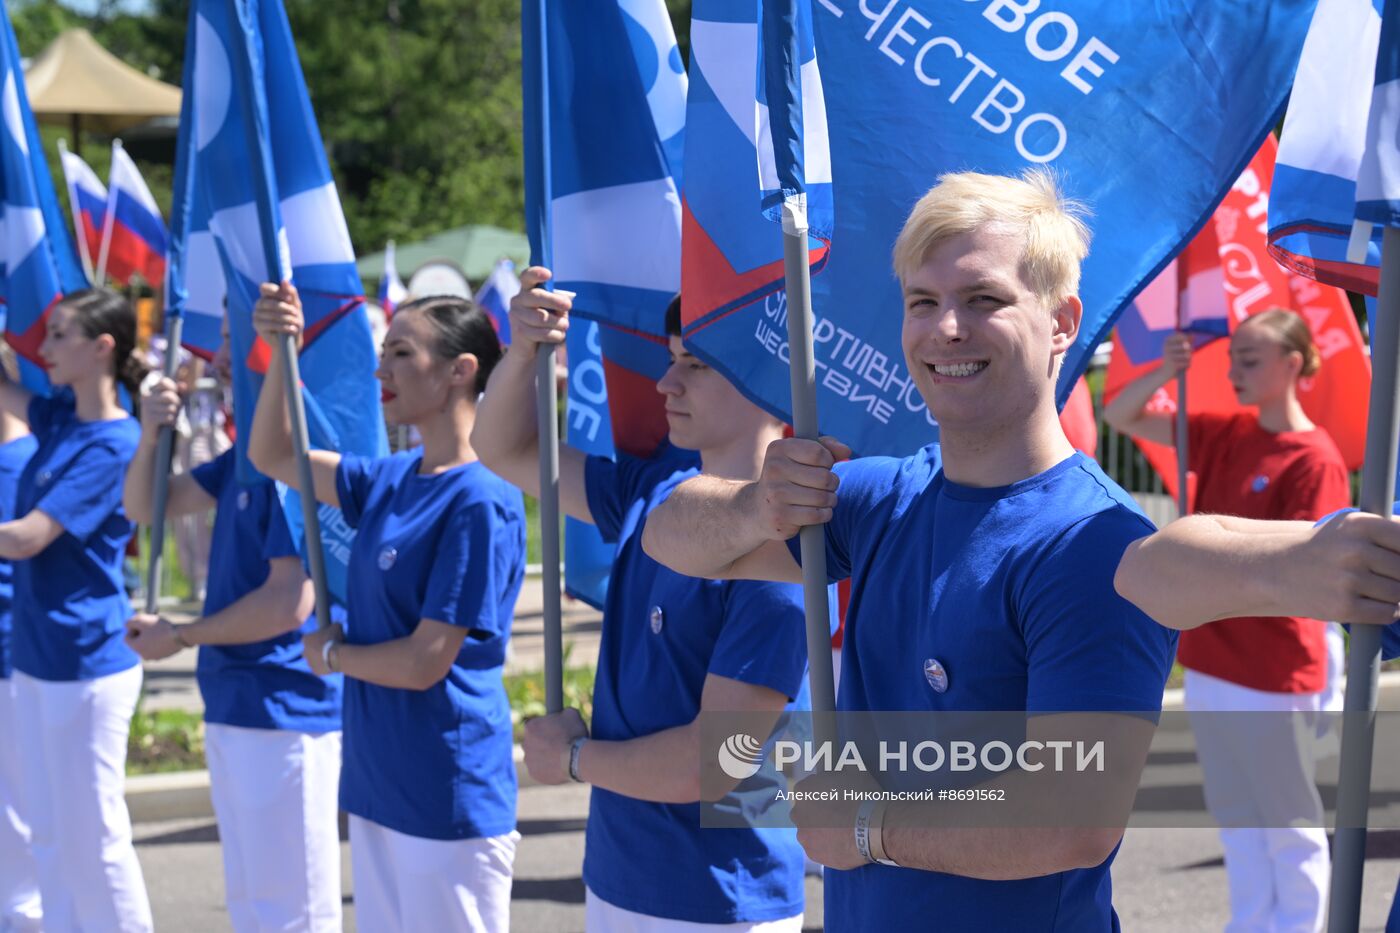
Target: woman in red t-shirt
[1269, 462]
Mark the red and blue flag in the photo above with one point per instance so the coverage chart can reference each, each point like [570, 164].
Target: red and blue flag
[37, 262]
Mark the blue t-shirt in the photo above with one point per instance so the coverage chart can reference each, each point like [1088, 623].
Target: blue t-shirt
[433, 763]
[663, 633]
[1010, 591]
[13, 456]
[71, 606]
[265, 684]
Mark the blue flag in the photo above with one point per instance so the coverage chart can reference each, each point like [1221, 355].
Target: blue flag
[263, 203]
[604, 118]
[1147, 112]
[37, 263]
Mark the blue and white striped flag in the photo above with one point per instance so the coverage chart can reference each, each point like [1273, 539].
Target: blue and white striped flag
[794, 155]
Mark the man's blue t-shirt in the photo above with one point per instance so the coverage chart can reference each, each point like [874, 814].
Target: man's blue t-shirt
[71, 606]
[13, 456]
[663, 633]
[1010, 591]
[265, 684]
[433, 763]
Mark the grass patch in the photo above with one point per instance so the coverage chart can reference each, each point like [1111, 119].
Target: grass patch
[532, 530]
[165, 740]
[173, 580]
[526, 694]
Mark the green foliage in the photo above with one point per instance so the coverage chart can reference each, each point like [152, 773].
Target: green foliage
[526, 693]
[418, 101]
[165, 740]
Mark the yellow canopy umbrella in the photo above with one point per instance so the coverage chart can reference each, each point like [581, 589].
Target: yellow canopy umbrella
[77, 82]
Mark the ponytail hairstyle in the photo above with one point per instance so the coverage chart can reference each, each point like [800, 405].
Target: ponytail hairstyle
[462, 327]
[1292, 333]
[98, 311]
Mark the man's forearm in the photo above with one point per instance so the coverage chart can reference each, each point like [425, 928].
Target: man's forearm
[266, 612]
[704, 526]
[1207, 567]
[663, 767]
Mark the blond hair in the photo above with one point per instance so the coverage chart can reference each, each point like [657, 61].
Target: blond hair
[1056, 236]
[1292, 333]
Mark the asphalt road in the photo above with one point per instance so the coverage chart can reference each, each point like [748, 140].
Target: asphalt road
[1165, 880]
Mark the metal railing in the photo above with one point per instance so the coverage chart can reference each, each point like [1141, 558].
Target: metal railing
[1121, 458]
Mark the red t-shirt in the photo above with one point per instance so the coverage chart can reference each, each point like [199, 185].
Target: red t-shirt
[1243, 470]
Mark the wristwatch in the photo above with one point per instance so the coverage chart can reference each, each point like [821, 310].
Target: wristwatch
[574, 749]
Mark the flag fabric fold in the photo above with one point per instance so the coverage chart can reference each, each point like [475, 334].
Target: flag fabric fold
[988, 87]
[604, 134]
[37, 262]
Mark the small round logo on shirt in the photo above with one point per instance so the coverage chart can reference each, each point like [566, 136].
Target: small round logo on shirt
[1261, 482]
[387, 558]
[243, 499]
[45, 476]
[936, 675]
[741, 756]
[658, 620]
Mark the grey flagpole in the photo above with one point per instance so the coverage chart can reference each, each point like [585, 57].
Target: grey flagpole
[165, 446]
[547, 412]
[797, 276]
[1183, 444]
[306, 480]
[1364, 650]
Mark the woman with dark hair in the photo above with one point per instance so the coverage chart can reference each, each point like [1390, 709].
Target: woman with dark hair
[1266, 462]
[438, 560]
[75, 679]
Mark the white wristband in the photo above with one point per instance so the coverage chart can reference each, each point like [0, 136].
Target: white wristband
[326, 653]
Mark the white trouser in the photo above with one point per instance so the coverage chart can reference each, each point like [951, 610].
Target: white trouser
[601, 917]
[275, 796]
[1256, 769]
[72, 736]
[408, 884]
[19, 883]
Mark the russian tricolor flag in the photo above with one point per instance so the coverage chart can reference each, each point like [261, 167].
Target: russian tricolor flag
[391, 288]
[1329, 184]
[88, 197]
[134, 238]
[495, 294]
